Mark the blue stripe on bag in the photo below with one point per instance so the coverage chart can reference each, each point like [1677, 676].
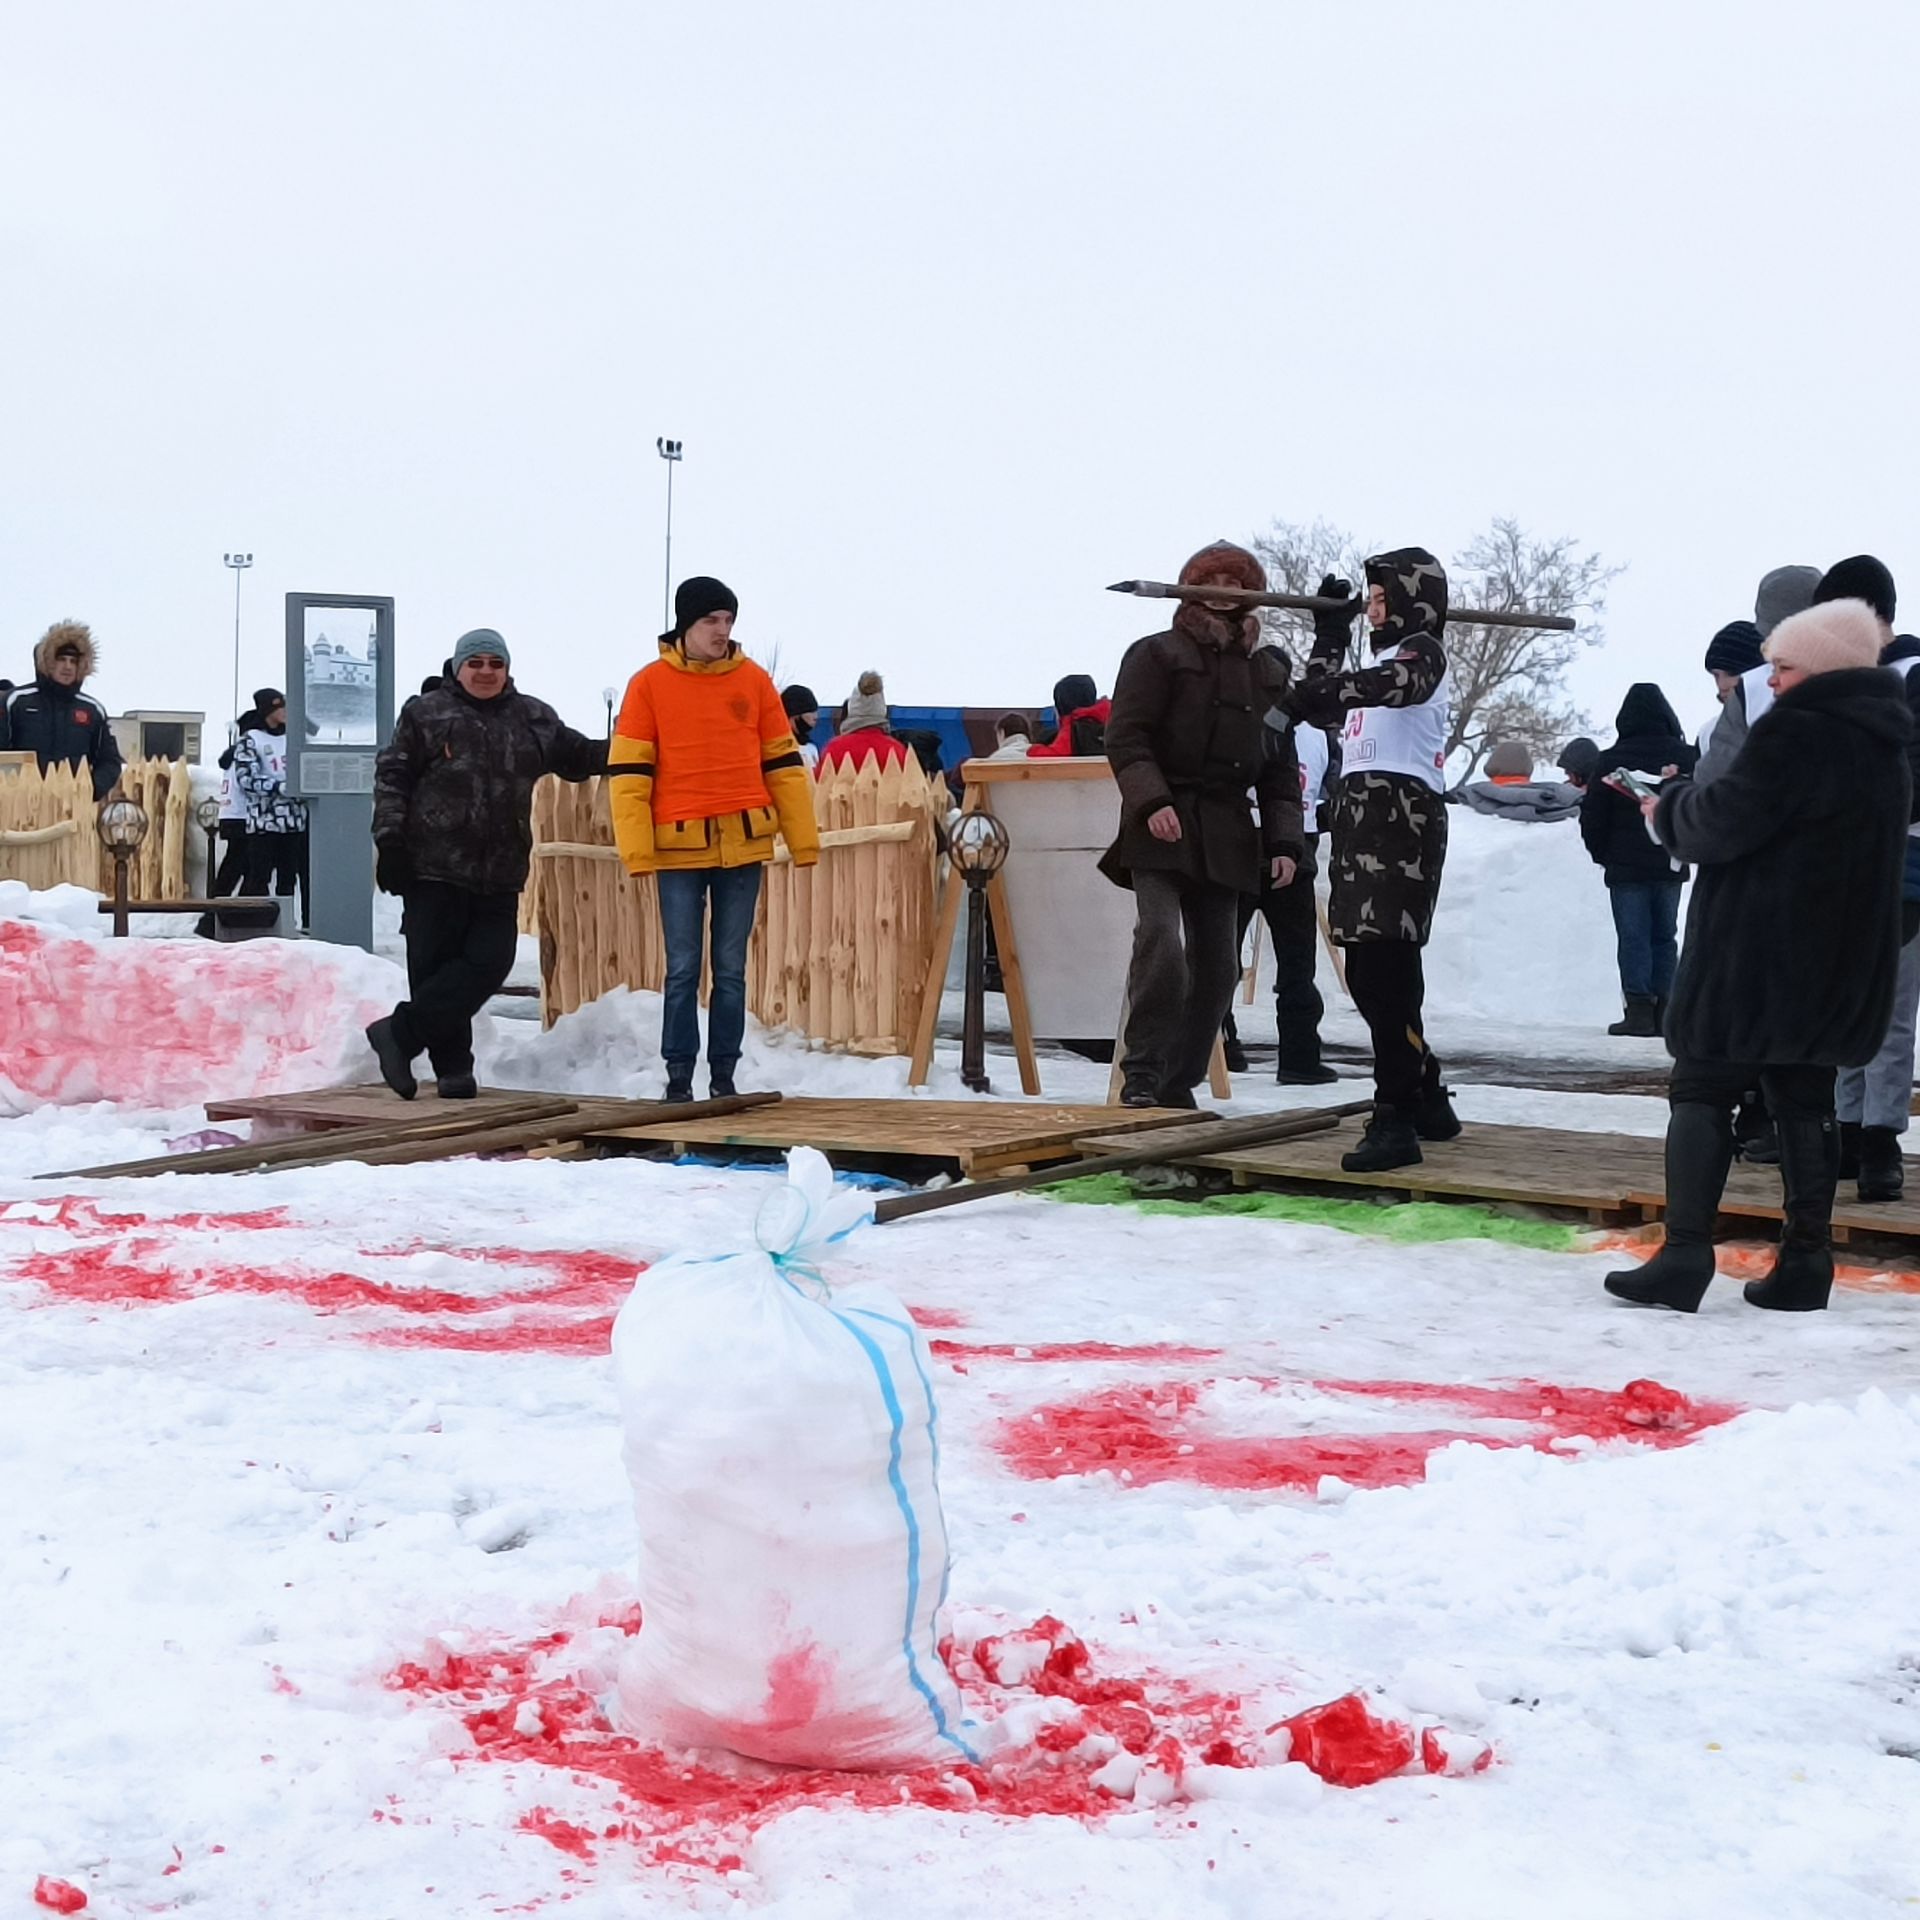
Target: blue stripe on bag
[933, 1414]
[884, 1374]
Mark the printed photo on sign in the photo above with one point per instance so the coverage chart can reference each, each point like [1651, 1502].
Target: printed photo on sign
[341, 676]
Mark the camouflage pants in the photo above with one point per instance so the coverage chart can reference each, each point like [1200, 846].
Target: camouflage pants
[1389, 844]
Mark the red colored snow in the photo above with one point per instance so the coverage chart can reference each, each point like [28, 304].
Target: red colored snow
[1445, 1752]
[678, 1810]
[166, 1023]
[937, 1317]
[797, 1682]
[1048, 1352]
[61, 1895]
[1156, 1433]
[1346, 1745]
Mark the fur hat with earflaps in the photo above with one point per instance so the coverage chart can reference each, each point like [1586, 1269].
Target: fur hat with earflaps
[65, 636]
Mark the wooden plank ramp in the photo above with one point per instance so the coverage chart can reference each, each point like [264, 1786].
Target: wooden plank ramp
[1607, 1176]
[982, 1136]
[362, 1106]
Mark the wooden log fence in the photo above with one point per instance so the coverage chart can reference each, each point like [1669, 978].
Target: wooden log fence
[839, 950]
[49, 834]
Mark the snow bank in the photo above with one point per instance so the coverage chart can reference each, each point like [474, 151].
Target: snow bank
[174, 1022]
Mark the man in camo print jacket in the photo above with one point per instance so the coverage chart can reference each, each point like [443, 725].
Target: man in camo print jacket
[1388, 821]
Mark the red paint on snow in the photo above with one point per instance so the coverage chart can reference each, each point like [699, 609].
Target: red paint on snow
[943, 1317]
[61, 1895]
[1347, 1744]
[796, 1684]
[1148, 1434]
[526, 1334]
[523, 1704]
[1057, 1351]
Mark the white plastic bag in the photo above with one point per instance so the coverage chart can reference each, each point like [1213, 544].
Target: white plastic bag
[782, 1442]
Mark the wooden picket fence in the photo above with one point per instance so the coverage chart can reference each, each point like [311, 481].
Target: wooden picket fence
[49, 830]
[839, 950]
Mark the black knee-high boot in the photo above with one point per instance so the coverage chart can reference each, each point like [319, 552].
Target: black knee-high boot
[1802, 1276]
[1699, 1152]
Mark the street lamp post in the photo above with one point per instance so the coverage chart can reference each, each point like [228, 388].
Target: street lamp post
[239, 562]
[122, 826]
[670, 453]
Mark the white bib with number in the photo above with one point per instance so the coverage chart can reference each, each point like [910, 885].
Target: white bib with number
[1406, 740]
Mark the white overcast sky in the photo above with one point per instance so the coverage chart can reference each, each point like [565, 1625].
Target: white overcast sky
[961, 312]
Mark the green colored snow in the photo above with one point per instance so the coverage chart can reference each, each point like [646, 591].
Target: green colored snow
[1410, 1221]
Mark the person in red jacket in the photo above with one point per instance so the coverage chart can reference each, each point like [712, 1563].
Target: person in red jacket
[865, 730]
[1083, 717]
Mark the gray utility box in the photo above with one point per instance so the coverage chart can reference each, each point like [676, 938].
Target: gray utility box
[339, 716]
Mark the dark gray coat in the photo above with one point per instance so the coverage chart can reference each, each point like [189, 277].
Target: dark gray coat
[1793, 935]
[1187, 731]
[454, 787]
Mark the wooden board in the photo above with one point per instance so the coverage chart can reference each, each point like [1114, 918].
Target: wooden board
[983, 1136]
[1600, 1174]
[357, 1106]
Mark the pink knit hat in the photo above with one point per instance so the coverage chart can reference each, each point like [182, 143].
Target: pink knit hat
[1828, 638]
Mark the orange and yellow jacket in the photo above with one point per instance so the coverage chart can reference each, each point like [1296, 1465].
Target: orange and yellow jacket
[703, 766]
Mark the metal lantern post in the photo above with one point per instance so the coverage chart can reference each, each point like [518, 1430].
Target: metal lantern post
[207, 817]
[979, 850]
[239, 562]
[123, 825]
[671, 454]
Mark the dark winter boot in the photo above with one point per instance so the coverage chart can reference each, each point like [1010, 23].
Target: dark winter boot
[1389, 1141]
[1878, 1164]
[1314, 1073]
[1699, 1152]
[1233, 1052]
[1181, 1097]
[1434, 1118]
[396, 1063]
[1802, 1275]
[720, 1083]
[1140, 1090]
[457, 1086]
[1849, 1149]
[1642, 1021]
[679, 1083]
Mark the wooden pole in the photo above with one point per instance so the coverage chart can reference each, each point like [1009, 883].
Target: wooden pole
[1181, 1143]
[1313, 603]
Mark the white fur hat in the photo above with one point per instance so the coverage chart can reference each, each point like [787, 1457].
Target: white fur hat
[1828, 638]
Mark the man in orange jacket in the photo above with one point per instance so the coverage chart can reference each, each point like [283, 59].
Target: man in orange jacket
[703, 765]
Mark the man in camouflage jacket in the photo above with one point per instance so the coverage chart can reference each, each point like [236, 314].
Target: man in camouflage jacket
[1389, 830]
[453, 835]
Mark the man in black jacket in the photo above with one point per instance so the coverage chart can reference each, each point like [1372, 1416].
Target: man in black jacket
[1643, 879]
[53, 720]
[453, 836]
[1793, 946]
[1187, 741]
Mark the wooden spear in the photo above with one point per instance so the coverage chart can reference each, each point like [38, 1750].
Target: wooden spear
[1313, 603]
[1178, 1143]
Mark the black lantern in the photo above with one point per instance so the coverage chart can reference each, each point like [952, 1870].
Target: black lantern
[123, 825]
[207, 817]
[979, 850]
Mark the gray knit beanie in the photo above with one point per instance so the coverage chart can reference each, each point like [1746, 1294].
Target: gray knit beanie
[480, 640]
[1784, 592]
[867, 703]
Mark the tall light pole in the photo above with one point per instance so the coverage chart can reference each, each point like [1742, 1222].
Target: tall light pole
[239, 562]
[670, 453]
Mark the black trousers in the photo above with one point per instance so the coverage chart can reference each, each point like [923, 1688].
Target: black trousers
[460, 948]
[1389, 987]
[226, 878]
[1792, 1093]
[1295, 928]
[273, 865]
[1186, 957]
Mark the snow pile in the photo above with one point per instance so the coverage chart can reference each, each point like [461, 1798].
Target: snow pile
[170, 1023]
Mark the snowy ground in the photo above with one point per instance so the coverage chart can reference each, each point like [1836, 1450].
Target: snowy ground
[318, 1549]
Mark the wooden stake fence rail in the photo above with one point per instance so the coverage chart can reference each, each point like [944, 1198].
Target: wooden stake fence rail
[49, 836]
[838, 951]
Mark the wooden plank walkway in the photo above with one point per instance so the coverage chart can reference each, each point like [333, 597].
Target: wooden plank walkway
[1603, 1175]
[982, 1136]
[359, 1106]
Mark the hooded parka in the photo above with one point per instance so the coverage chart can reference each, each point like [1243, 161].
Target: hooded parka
[1647, 739]
[61, 726]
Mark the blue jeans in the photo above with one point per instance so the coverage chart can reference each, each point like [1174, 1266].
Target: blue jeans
[684, 894]
[1645, 914]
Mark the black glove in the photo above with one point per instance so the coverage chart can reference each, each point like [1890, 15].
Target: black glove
[1332, 626]
[392, 870]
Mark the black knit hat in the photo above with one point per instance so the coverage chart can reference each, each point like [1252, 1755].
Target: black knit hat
[797, 699]
[698, 597]
[1860, 577]
[1072, 691]
[1735, 649]
[1578, 758]
[265, 699]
